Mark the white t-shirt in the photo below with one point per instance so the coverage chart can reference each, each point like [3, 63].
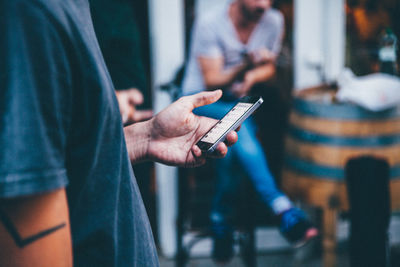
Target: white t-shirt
[214, 35]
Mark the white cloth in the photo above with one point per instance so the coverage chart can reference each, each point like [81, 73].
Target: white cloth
[214, 36]
[376, 92]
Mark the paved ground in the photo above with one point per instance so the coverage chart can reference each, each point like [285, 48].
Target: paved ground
[285, 259]
[272, 259]
[309, 256]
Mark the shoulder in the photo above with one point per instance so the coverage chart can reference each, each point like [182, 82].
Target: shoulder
[43, 18]
[211, 19]
[273, 16]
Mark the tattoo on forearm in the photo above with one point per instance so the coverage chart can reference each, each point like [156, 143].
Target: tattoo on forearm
[20, 241]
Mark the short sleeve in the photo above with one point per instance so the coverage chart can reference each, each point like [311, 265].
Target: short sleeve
[280, 27]
[34, 100]
[205, 40]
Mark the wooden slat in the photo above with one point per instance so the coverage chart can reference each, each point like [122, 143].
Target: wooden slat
[338, 156]
[345, 128]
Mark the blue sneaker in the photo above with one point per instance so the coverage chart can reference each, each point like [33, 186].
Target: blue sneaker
[296, 228]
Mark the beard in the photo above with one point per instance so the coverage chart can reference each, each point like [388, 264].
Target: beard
[253, 15]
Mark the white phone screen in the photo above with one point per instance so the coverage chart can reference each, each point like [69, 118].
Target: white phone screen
[226, 122]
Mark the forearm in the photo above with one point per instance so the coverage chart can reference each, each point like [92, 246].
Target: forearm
[215, 80]
[261, 73]
[137, 137]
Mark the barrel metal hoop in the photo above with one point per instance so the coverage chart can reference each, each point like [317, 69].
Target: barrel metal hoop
[351, 141]
[326, 172]
[341, 111]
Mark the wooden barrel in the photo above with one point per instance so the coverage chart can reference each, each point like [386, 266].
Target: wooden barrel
[324, 135]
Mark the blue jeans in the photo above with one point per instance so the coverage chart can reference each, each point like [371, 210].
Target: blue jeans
[248, 154]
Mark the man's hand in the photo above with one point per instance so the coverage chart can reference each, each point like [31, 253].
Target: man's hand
[242, 89]
[262, 56]
[127, 101]
[170, 137]
[259, 74]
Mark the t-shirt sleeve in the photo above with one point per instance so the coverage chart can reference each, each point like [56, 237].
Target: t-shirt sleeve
[205, 40]
[34, 101]
[280, 28]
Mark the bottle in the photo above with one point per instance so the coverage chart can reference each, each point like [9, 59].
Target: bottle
[387, 53]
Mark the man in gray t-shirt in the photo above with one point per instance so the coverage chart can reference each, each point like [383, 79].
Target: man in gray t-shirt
[235, 49]
[216, 37]
[68, 196]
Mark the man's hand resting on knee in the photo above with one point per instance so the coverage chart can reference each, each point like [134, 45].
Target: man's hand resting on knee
[170, 137]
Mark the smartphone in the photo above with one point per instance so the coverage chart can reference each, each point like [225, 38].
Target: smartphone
[231, 121]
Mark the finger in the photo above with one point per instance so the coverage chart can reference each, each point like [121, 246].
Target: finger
[204, 98]
[130, 112]
[196, 151]
[125, 112]
[141, 115]
[135, 96]
[198, 156]
[231, 138]
[125, 118]
[220, 151]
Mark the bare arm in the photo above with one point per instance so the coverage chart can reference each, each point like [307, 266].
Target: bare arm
[35, 231]
[215, 76]
[262, 73]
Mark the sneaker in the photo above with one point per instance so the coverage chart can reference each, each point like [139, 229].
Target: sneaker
[222, 243]
[296, 228]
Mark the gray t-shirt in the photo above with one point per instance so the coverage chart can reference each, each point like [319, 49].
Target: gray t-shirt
[214, 36]
[60, 127]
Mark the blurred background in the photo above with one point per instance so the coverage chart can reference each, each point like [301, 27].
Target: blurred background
[310, 136]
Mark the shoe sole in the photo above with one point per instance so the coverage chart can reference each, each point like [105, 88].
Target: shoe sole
[311, 234]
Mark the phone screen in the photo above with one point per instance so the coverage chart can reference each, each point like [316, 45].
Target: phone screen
[226, 122]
